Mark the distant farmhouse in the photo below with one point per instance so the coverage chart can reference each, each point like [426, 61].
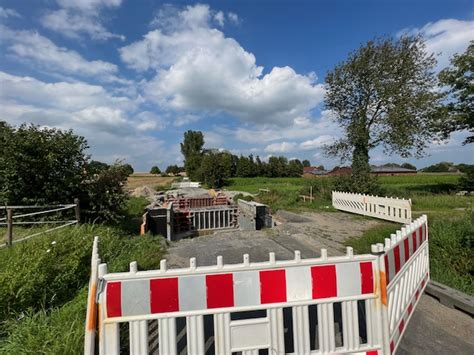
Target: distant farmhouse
[375, 170]
[391, 171]
[314, 170]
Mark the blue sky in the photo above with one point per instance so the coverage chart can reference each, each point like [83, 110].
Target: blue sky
[132, 76]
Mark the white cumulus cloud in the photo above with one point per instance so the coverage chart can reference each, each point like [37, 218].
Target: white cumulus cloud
[75, 18]
[5, 13]
[445, 38]
[198, 68]
[32, 46]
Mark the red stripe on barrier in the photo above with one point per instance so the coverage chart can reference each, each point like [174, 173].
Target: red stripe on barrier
[366, 278]
[420, 237]
[272, 286]
[220, 291]
[324, 281]
[387, 269]
[414, 240]
[401, 326]
[375, 352]
[392, 347]
[407, 250]
[396, 256]
[164, 295]
[417, 294]
[114, 299]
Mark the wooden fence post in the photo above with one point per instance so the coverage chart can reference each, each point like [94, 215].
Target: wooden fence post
[9, 235]
[77, 210]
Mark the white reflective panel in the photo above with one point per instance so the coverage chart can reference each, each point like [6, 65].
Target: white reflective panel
[192, 293]
[246, 288]
[298, 283]
[348, 280]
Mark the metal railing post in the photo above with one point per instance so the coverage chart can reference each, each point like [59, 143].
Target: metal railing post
[9, 234]
[77, 210]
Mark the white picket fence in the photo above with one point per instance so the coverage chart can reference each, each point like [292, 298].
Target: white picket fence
[327, 305]
[388, 208]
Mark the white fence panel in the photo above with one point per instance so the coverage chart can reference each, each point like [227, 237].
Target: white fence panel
[388, 208]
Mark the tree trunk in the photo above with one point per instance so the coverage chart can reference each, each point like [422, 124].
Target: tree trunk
[360, 165]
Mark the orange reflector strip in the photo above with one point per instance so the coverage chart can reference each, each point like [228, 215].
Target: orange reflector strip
[383, 288]
[92, 307]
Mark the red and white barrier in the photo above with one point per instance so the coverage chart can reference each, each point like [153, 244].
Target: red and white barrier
[247, 288]
[328, 305]
[405, 263]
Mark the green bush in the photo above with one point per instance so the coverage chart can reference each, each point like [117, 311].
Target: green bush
[466, 182]
[364, 184]
[40, 165]
[48, 166]
[103, 196]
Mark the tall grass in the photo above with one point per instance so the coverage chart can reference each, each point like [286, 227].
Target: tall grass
[44, 281]
[451, 245]
[59, 330]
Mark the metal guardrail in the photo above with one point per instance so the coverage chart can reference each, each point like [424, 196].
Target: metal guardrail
[10, 220]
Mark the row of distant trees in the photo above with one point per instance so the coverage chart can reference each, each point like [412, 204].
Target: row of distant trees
[212, 166]
[170, 170]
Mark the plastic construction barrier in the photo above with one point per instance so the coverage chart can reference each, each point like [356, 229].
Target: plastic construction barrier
[344, 304]
[388, 208]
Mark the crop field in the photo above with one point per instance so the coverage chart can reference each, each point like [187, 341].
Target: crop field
[145, 179]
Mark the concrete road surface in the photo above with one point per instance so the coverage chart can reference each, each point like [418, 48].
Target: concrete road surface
[433, 329]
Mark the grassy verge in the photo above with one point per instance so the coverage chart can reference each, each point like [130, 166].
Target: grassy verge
[285, 193]
[43, 283]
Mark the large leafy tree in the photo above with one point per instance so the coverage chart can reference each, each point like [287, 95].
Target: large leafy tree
[459, 78]
[215, 168]
[383, 95]
[191, 148]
